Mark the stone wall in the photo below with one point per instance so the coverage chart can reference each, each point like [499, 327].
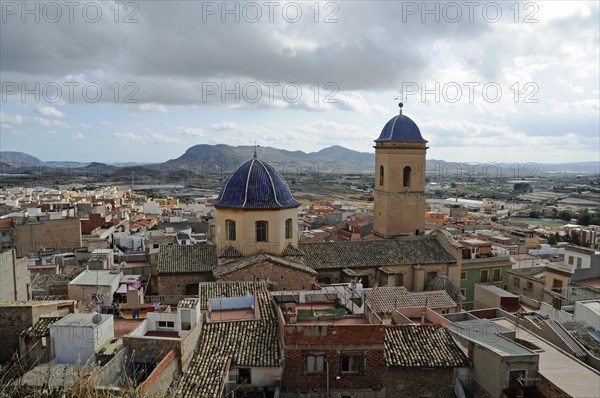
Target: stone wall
[18, 316]
[150, 349]
[171, 284]
[281, 277]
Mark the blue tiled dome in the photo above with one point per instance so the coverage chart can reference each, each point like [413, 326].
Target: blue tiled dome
[255, 185]
[401, 128]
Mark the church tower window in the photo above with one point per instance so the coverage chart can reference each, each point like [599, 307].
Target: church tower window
[381, 175]
[406, 176]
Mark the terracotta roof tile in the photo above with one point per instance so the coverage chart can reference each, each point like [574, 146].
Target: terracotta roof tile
[40, 329]
[376, 253]
[422, 346]
[255, 258]
[249, 343]
[182, 259]
[208, 290]
[292, 250]
[386, 298]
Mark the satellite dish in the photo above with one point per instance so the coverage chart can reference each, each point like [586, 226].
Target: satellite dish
[96, 319]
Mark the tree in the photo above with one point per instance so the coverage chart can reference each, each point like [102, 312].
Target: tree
[552, 239]
[522, 187]
[534, 214]
[584, 217]
[575, 238]
[494, 218]
[565, 215]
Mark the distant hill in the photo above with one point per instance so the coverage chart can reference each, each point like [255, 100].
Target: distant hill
[12, 157]
[226, 158]
[203, 159]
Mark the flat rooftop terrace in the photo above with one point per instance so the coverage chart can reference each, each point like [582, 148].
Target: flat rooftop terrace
[568, 374]
[487, 334]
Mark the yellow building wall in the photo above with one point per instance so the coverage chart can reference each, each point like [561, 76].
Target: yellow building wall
[245, 230]
[399, 210]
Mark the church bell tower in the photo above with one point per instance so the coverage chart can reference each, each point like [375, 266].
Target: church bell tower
[399, 194]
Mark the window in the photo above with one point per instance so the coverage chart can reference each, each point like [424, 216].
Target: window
[484, 275]
[166, 324]
[516, 282]
[497, 275]
[244, 376]
[315, 363]
[288, 228]
[431, 275]
[571, 258]
[261, 231]
[578, 262]
[380, 175]
[350, 363]
[529, 285]
[516, 378]
[557, 285]
[463, 276]
[230, 227]
[463, 292]
[406, 176]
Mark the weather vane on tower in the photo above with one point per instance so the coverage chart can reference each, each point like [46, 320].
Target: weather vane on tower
[400, 104]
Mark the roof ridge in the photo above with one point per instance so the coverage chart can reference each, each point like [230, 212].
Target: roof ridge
[247, 183]
[271, 180]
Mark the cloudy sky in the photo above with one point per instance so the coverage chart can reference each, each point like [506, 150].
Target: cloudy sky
[143, 81]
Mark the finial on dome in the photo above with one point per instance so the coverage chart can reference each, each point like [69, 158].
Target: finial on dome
[254, 156]
[400, 105]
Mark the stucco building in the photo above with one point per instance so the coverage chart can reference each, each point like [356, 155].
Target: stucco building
[399, 193]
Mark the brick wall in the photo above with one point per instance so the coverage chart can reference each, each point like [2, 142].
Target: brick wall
[280, 276]
[331, 341]
[169, 284]
[94, 221]
[403, 382]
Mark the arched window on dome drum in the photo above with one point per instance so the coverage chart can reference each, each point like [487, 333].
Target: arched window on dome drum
[230, 229]
[380, 175]
[406, 176]
[262, 228]
[288, 228]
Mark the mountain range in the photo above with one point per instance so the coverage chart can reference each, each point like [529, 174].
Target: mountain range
[207, 158]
